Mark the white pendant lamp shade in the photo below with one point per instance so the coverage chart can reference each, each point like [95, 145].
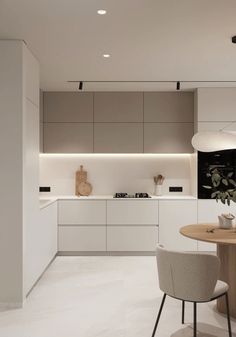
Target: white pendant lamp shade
[210, 141]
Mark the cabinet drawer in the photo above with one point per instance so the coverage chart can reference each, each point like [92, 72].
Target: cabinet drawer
[81, 238]
[82, 212]
[132, 212]
[132, 238]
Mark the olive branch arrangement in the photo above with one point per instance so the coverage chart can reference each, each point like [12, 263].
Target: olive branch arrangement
[223, 186]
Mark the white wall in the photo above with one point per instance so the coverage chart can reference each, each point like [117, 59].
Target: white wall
[110, 173]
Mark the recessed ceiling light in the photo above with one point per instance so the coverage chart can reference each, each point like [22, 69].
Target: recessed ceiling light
[102, 12]
[106, 56]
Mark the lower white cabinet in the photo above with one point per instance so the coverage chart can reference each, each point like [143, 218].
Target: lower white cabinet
[132, 238]
[48, 223]
[132, 212]
[82, 238]
[43, 248]
[174, 214]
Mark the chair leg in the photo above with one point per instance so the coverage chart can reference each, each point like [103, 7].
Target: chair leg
[228, 314]
[183, 310]
[194, 319]
[159, 315]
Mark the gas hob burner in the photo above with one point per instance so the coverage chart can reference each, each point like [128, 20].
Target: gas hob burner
[136, 195]
[142, 195]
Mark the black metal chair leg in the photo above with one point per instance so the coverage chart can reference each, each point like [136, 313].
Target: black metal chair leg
[194, 319]
[159, 315]
[183, 309]
[228, 314]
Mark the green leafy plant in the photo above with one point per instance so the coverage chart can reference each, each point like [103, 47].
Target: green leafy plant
[223, 186]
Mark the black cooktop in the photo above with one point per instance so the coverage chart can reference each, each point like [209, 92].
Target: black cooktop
[136, 195]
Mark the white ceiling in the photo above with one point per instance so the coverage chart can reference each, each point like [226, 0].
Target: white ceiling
[147, 39]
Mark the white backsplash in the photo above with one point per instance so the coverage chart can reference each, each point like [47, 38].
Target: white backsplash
[116, 173]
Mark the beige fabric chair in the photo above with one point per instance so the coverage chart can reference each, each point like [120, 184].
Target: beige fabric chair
[191, 277]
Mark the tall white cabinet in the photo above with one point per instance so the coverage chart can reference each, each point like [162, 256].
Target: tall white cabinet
[19, 149]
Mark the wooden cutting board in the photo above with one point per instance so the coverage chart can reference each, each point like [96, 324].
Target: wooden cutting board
[85, 188]
[80, 176]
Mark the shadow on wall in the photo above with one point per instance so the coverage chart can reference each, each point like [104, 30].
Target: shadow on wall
[204, 330]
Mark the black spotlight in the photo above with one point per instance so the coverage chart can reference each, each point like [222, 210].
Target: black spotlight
[178, 85]
[234, 39]
[80, 85]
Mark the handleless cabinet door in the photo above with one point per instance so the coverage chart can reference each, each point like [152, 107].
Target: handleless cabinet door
[132, 238]
[132, 212]
[31, 77]
[174, 107]
[118, 137]
[115, 107]
[168, 137]
[82, 212]
[68, 107]
[82, 238]
[174, 214]
[68, 137]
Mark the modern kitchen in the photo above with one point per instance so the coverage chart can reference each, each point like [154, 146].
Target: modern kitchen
[118, 169]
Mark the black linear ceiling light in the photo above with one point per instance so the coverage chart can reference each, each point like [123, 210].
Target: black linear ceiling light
[81, 85]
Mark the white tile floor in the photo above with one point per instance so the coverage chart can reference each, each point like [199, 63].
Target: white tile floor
[104, 297]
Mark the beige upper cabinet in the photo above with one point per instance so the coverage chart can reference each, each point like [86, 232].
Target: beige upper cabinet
[118, 137]
[168, 107]
[118, 122]
[168, 137]
[69, 107]
[118, 107]
[68, 137]
[216, 105]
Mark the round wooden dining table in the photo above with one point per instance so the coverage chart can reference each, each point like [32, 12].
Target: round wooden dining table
[226, 251]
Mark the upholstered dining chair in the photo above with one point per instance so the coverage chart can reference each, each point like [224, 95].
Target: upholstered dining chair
[190, 277]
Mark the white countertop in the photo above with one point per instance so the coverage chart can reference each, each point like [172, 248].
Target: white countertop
[47, 200]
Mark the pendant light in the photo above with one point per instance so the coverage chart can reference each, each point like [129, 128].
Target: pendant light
[210, 141]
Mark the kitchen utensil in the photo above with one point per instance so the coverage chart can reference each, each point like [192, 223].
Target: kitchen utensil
[80, 176]
[85, 188]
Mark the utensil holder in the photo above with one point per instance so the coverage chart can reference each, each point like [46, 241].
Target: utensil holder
[158, 190]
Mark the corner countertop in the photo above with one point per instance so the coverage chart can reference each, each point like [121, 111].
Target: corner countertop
[47, 200]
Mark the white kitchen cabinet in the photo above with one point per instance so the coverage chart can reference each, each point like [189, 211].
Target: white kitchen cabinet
[132, 225]
[132, 238]
[174, 214]
[81, 238]
[208, 211]
[82, 212]
[48, 225]
[40, 244]
[132, 212]
[31, 77]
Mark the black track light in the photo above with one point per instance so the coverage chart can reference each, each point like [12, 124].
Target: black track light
[80, 85]
[178, 85]
[234, 39]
